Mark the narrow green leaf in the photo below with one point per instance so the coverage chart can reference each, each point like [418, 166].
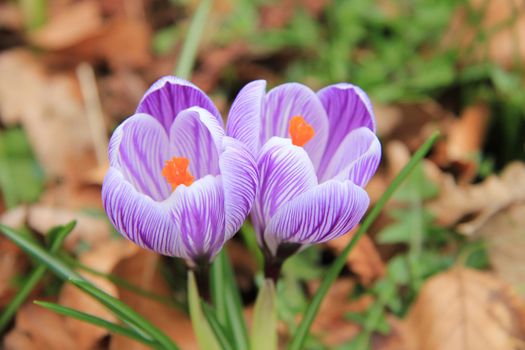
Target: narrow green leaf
[58, 267]
[336, 267]
[125, 313]
[218, 329]
[189, 49]
[203, 331]
[227, 300]
[264, 326]
[97, 321]
[58, 234]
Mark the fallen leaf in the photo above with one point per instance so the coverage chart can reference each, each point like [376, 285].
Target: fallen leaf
[364, 259]
[474, 204]
[74, 23]
[330, 324]
[141, 270]
[103, 258]
[465, 309]
[504, 237]
[51, 112]
[38, 328]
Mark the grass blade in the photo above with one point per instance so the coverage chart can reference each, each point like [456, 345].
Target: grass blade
[189, 49]
[227, 300]
[125, 313]
[97, 321]
[36, 275]
[219, 331]
[336, 267]
[41, 255]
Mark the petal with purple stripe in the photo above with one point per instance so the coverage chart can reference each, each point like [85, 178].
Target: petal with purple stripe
[137, 217]
[239, 178]
[290, 100]
[285, 171]
[197, 135]
[321, 214]
[199, 213]
[138, 148]
[348, 107]
[356, 159]
[244, 120]
[170, 95]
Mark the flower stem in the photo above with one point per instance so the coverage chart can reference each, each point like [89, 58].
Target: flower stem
[273, 263]
[202, 277]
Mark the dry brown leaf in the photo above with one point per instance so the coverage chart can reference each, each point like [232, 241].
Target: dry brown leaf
[330, 323]
[480, 201]
[51, 112]
[467, 133]
[465, 309]
[72, 24]
[13, 263]
[102, 258]
[364, 260]
[141, 270]
[504, 236]
[38, 328]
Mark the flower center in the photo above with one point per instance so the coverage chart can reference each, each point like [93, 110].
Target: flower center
[176, 172]
[300, 131]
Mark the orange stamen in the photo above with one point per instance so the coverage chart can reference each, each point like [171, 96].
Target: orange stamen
[300, 131]
[176, 172]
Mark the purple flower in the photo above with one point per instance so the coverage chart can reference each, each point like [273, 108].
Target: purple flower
[176, 184]
[315, 153]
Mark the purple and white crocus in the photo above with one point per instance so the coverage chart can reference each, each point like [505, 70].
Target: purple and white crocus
[176, 184]
[314, 153]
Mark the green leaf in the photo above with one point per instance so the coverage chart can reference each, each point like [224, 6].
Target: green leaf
[125, 313]
[97, 321]
[34, 250]
[218, 330]
[264, 326]
[57, 234]
[21, 178]
[189, 50]
[203, 331]
[336, 267]
[227, 301]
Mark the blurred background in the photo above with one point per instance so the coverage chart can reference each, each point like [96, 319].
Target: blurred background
[442, 268]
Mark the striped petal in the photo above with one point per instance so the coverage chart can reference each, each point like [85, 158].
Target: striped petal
[293, 99]
[244, 120]
[138, 148]
[138, 217]
[197, 135]
[348, 108]
[199, 213]
[239, 179]
[321, 214]
[170, 95]
[356, 159]
[285, 172]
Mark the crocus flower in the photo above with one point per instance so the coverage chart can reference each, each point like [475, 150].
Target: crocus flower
[176, 184]
[314, 152]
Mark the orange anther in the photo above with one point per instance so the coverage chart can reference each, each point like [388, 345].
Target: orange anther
[300, 131]
[176, 172]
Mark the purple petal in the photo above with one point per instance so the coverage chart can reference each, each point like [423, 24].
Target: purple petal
[356, 159]
[321, 214]
[136, 216]
[138, 148]
[348, 108]
[199, 213]
[293, 99]
[285, 171]
[239, 179]
[170, 95]
[197, 135]
[244, 120]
